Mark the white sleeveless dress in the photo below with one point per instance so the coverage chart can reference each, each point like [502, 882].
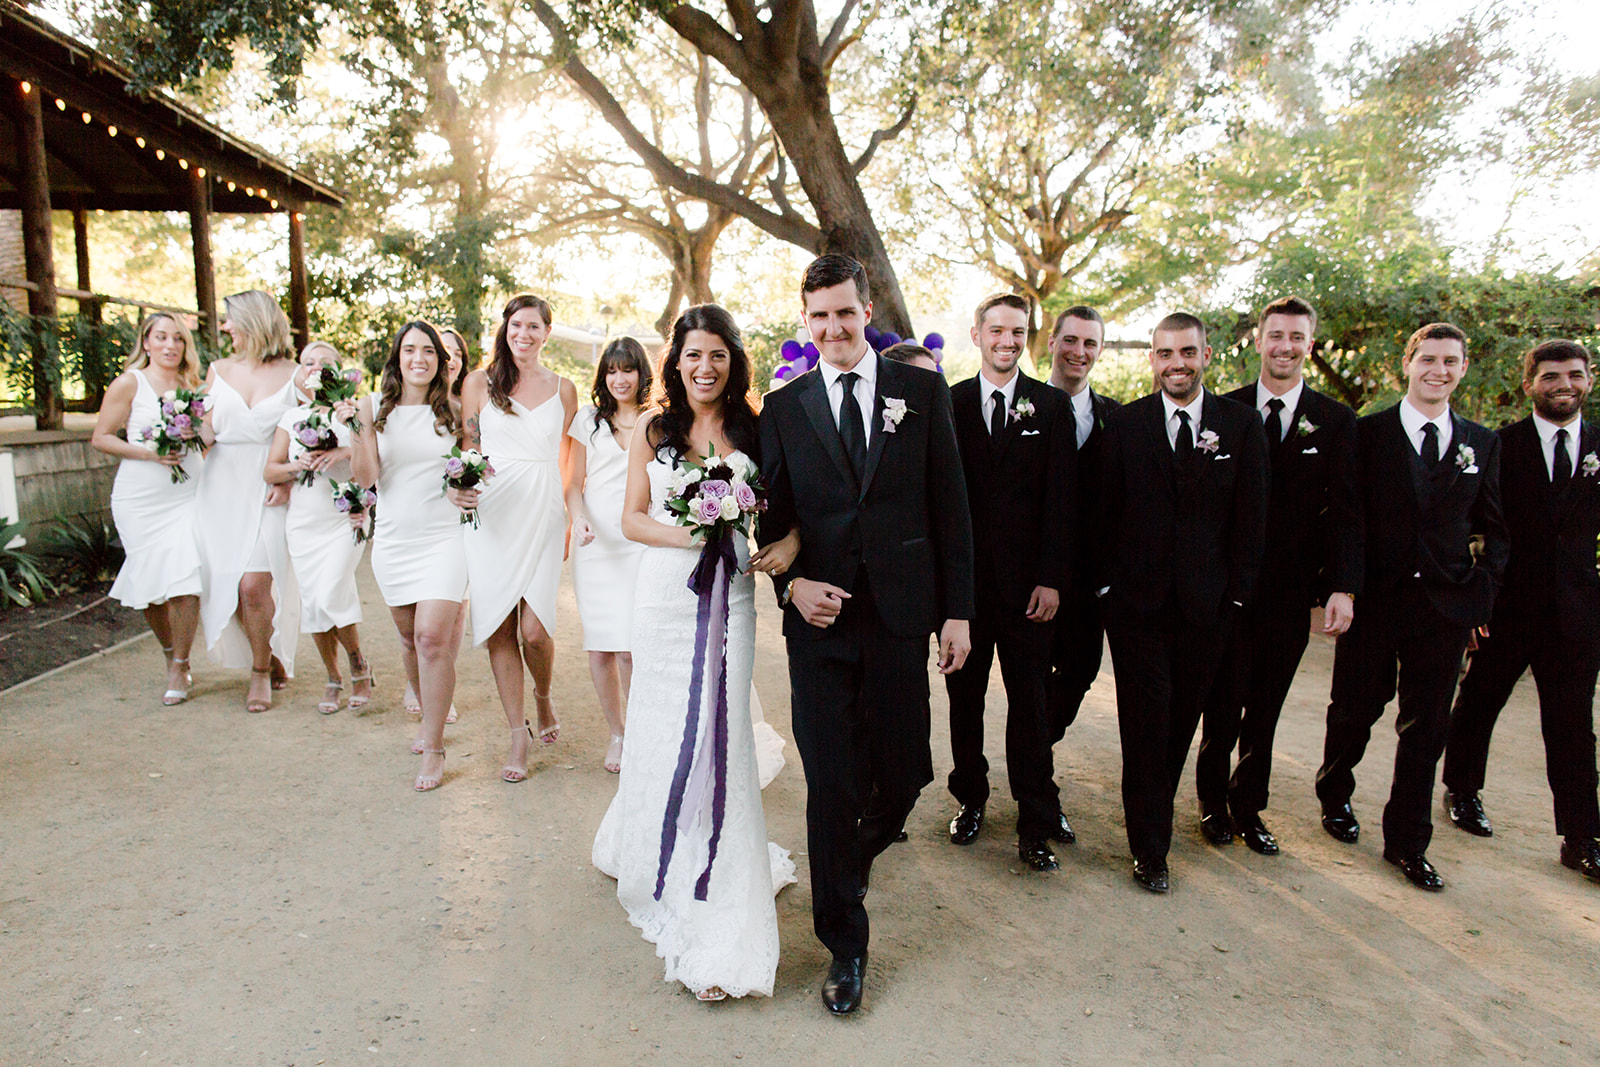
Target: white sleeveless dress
[604, 571]
[322, 546]
[730, 939]
[515, 553]
[417, 547]
[236, 531]
[154, 517]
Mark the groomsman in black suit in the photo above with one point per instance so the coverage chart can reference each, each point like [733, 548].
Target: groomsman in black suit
[1547, 615]
[1313, 556]
[1016, 440]
[1184, 494]
[860, 454]
[1075, 344]
[1430, 484]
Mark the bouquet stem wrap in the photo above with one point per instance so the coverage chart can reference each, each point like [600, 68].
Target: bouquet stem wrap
[703, 755]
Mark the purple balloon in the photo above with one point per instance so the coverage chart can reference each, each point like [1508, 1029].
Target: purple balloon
[933, 340]
[783, 373]
[871, 334]
[790, 350]
[891, 338]
[810, 350]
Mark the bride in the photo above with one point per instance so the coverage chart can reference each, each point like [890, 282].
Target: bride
[700, 889]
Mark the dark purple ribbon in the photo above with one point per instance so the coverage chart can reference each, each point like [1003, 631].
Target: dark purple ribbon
[686, 800]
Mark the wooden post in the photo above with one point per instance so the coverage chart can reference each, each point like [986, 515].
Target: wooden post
[205, 273]
[94, 389]
[33, 193]
[299, 292]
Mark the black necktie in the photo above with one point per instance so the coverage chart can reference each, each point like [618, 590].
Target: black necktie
[1183, 447]
[851, 432]
[1275, 421]
[1561, 469]
[997, 414]
[1430, 445]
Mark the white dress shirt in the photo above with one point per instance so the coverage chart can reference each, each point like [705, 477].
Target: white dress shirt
[986, 390]
[1413, 421]
[1193, 407]
[1082, 413]
[1547, 441]
[866, 371]
[1291, 403]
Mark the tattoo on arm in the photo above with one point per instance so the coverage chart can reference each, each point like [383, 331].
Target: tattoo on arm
[473, 440]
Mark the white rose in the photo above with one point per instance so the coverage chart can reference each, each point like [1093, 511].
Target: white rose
[692, 475]
[741, 465]
[728, 507]
[471, 455]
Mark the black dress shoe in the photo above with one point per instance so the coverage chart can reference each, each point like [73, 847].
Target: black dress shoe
[1582, 856]
[1467, 814]
[965, 826]
[1151, 875]
[1418, 871]
[901, 838]
[841, 990]
[1062, 831]
[1216, 825]
[1037, 854]
[1255, 834]
[1340, 822]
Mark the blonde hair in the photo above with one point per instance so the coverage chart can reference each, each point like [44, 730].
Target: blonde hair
[337, 358]
[188, 370]
[261, 327]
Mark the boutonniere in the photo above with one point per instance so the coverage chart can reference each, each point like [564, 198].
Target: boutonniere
[1466, 459]
[1022, 409]
[1209, 441]
[894, 409]
[1590, 465]
[1305, 428]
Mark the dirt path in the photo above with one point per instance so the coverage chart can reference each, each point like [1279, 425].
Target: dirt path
[200, 886]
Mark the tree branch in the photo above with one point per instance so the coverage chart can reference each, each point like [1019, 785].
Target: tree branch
[837, 34]
[880, 136]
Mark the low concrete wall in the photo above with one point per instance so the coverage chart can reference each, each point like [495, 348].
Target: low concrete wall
[58, 474]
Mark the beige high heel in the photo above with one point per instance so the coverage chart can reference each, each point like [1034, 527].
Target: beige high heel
[510, 772]
[427, 783]
[174, 697]
[258, 704]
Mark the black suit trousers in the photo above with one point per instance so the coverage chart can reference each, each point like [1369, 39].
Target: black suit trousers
[1564, 673]
[1164, 667]
[1024, 649]
[1246, 701]
[860, 721]
[1075, 656]
[1398, 641]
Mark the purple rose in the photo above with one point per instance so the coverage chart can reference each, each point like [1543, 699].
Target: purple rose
[369, 497]
[308, 436]
[488, 471]
[168, 408]
[454, 467]
[181, 423]
[197, 407]
[745, 497]
[148, 434]
[717, 487]
[707, 510]
[352, 376]
[341, 503]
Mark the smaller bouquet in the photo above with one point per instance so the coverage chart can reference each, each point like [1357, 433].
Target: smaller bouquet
[177, 429]
[315, 433]
[717, 496]
[335, 385]
[349, 498]
[466, 470]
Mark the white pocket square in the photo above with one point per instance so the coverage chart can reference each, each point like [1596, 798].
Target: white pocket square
[1470, 470]
[1030, 433]
[1310, 451]
[1225, 455]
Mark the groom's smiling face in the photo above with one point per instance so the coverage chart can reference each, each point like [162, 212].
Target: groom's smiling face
[837, 319]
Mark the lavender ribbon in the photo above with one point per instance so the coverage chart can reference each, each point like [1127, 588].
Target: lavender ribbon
[697, 770]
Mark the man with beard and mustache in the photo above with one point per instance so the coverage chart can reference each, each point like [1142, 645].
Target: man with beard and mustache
[1547, 615]
[1430, 485]
[1016, 440]
[1183, 493]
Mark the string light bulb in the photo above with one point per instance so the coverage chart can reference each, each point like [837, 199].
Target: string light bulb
[87, 118]
[112, 130]
[201, 171]
[183, 163]
[232, 187]
[61, 105]
[27, 87]
[139, 141]
[161, 154]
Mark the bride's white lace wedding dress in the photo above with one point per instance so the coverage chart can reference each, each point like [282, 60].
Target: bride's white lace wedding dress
[729, 939]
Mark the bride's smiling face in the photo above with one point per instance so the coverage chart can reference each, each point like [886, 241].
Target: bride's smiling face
[704, 366]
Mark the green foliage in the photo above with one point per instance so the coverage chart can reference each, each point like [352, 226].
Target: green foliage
[82, 356]
[22, 578]
[80, 551]
[762, 343]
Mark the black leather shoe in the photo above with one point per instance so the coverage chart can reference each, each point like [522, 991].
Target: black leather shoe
[1340, 822]
[1151, 875]
[1582, 856]
[1037, 854]
[1062, 831]
[1467, 814]
[965, 826]
[841, 990]
[1216, 825]
[901, 838]
[1418, 871]
[1255, 834]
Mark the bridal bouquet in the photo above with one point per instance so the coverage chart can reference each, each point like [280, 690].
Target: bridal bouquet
[466, 470]
[349, 498]
[716, 496]
[316, 434]
[333, 386]
[177, 429]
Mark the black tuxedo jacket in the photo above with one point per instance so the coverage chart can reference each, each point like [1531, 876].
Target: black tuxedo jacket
[1189, 534]
[1019, 488]
[907, 524]
[1551, 570]
[1087, 520]
[1407, 535]
[1314, 527]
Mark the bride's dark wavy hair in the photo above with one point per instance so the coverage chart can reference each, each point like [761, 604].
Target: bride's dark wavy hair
[669, 431]
[623, 354]
[445, 419]
[502, 372]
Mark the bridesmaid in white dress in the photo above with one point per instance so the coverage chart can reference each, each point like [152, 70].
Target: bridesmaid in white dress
[712, 920]
[322, 546]
[249, 604]
[418, 554]
[154, 514]
[516, 412]
[605, 564]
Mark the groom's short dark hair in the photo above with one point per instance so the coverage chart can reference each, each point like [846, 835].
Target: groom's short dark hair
[1009, 300]
[827, 271]
[1179, 321]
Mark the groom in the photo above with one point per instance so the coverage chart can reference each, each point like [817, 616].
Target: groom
[860, 454]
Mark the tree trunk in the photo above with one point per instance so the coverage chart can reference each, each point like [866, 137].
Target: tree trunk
[691, 253]
[33, 192]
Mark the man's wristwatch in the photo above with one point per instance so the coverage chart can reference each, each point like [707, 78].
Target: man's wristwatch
[786, 596]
